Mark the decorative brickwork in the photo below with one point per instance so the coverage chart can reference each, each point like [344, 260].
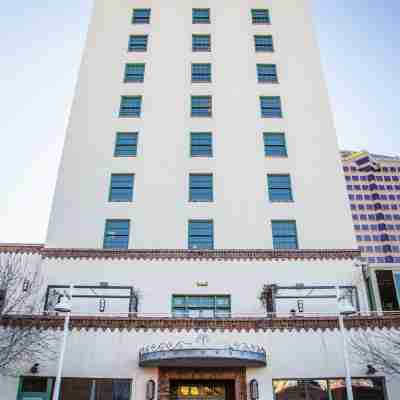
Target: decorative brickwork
[234, 324]
[183, 254]
[165, 375]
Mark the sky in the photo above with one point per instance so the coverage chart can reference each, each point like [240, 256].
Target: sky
[42, 42]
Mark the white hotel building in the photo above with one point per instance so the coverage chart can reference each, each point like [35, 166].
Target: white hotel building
[201, 173]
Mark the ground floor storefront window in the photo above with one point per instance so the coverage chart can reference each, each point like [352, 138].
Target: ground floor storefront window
[328, 389]
[75, 389]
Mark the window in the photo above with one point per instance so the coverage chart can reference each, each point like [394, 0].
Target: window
[201, 106]
[260, 16]
[138, 43]
[201, 235]
[201, 144]
[200, 187]
[201, 72]
[126, 144]
[284, 234]
[141, 16]
[201, 15]
[267, 73]
[201, 43]
[121, 187]
[271, 107]
[263, 43]
[130, 106]
[279, 188]
[134, 73]
[184, 306]
[116, 234]
[275, 144]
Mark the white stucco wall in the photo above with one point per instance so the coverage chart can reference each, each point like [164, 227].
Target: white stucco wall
[241, 211]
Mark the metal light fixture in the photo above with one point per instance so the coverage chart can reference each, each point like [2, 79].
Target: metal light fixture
[25, 285]
[150, 389]
[371, 370]
[254, 391]
[102, 305]
[35, 368]
[300, 306]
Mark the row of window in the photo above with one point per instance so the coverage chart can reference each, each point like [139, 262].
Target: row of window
[200, 234]
[374, 196]
[368, 187]
[389, 227]
[376, 238]
[375, 207]
[201, 43]
[201, 106]
[200, 72]
[378, 249]
[201, 16]
[384, 169]
[385, 178]
[376, 217]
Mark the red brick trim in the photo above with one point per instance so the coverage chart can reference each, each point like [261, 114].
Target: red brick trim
[183, 254]
[235, 324]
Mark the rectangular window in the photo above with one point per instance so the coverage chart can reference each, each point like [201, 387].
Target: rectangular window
[284, 234]
[126, 144]
[201, 235]
[267, 73]
[130, 106]
[121, 187]
[200, 187]
[279, 188]
[201, 72]
[201, 15]
[271, 107]
[201, 42]
[138, 43]
[201, 144]
[275, 144]
[141, 16]
[116, 234]
[201, 106]
[260, 16]
[184, 306]
[263, 43]
[134, 73]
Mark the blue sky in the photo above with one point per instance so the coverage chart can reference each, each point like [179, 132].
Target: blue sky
[42, 43]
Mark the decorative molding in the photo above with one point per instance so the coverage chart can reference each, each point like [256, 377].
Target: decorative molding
[182, 254]
[296, 323]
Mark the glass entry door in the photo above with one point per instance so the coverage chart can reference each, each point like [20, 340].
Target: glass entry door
[198, 391]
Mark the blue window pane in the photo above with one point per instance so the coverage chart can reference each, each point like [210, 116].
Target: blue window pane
[130, 106]
[271, 107]
[121, 188]
[284, 234]
[275, 144]
[201, 144]
[201, 187]
[201, 106]
[279, 188]
[201, 234]
[137, 43]
[141, 16]
[263, 43]
[134, 72]
[126, 144]
[267, 73]
[116, 234]
[201, 16]
[201, 72]
[260, 16]
[201, 42]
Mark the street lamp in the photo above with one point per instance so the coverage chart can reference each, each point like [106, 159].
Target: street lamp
[345, 309]
[64, 306]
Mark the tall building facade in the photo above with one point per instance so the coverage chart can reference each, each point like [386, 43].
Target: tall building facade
[200, 212]
[373, 186]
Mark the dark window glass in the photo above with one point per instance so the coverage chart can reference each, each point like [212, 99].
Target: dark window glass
[201, 144]
[263, 43]
[141, 16]
[284, 234]
[201, 106]
[126, 144]
[130, 106]
[121, 187]
[116, 234]
[134, 72]
[279, 188]
[201, 15]
[138, 43]
[201, 72]
[267, 73]
[184, 306]
[201, 42]
[260, 16]
[201, 234]
[201, 187]
[275, 144]
[271, 107]
[33, 385]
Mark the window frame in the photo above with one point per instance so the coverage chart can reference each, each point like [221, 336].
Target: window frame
[207, 75]
[187, 307]
[201, 49]
[264, 47]
[271, 187]
[137, 110]
[132, 49]
[128, 236]
[113, 187]
[193, 188]
[141, 76]
[284, 153]
[208, 109]
[197, 20]
[206, 146]
[273, 110]
[135, 146]
[261, 76]
[190, 236]
[141, 20]
[266, 21]
[296, 236]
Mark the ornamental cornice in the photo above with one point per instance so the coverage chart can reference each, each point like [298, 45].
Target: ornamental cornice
[182, 254]
[104, 323]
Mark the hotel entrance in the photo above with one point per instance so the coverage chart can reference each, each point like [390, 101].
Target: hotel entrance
[202, 390]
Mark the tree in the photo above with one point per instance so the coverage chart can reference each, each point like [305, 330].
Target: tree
[21, 293]
[379, 350]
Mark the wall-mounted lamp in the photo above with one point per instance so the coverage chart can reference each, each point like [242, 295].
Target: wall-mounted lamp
[102, 305]
[300, 306]
[25, 285]
[371, 370]
[35, 368]
[254, 392]
[150, 390]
